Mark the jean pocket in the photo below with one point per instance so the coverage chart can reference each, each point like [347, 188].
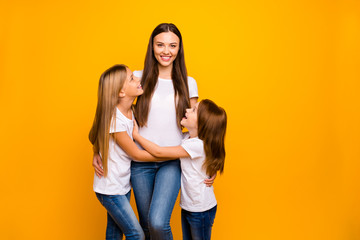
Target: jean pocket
[100, 198]
[211, 215]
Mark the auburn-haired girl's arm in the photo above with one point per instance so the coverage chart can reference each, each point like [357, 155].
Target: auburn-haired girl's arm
[156, 150]
[128, 145]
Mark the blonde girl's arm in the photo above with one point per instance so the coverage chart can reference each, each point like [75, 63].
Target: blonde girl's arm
[128, 145]
[156, 150]
[161, 152]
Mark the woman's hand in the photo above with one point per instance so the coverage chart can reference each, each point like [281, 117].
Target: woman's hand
[97, 164]
[210, 181]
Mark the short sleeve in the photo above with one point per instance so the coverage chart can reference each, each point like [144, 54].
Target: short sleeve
[193, 90]
[119, 126]
[194, 147]
[138, 73]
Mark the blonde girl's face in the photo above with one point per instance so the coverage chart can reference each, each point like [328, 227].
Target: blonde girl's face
[132, 86]
[166, 47]
[190, 119]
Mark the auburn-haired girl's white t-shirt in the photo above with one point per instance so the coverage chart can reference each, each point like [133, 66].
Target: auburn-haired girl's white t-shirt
[161, 127]
[195, 195]
[117, 181]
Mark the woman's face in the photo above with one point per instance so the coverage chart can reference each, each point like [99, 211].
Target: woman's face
[166, 47]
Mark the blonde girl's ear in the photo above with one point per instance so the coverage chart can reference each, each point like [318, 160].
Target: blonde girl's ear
[121, 94]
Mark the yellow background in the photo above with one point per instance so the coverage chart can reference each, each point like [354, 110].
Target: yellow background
[287, 73]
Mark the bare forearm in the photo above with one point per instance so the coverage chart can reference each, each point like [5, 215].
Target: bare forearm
[149, 146]
[96, 148]
[144, 156]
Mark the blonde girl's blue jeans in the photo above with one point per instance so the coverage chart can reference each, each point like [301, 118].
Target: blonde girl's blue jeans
[121, 218]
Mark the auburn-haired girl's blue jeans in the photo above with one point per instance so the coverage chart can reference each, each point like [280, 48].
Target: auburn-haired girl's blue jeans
[121, 218]
[197, 225]
[156, 186]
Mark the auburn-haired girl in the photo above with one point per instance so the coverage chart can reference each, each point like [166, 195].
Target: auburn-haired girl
[202, 154]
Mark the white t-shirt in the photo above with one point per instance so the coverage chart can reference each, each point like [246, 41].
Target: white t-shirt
[117, 181]
[162, 127]
[195, 195]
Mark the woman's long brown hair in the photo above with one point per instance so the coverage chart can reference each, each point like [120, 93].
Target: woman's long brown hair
[110, 84]
[212, 121]
[150, 78]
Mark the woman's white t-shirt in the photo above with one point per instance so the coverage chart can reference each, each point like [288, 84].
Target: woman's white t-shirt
[117, 181]
[195, 195]
[162, 127]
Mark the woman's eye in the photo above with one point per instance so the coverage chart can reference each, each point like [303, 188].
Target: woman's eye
[173, 46]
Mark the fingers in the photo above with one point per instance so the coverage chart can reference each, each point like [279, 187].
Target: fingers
[99, 173]
[210, 181]
[213, 177]
[97, 164]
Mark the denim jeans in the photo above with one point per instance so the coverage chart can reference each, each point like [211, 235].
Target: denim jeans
[121, 218]
[197, 225]
[156, 187]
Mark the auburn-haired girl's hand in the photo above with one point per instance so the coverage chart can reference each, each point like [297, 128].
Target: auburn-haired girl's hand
[210, 181]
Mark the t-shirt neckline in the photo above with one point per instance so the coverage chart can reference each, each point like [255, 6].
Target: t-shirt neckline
[132, 114]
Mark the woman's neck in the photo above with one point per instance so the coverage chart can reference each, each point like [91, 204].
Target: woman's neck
[165, 72]
[124, 106]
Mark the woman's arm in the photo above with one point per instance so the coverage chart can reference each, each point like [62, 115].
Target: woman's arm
[128, 145]
[193, 101]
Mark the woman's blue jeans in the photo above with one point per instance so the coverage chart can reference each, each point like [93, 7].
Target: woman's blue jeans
[121, 218]
[156, 187]
[197, 225]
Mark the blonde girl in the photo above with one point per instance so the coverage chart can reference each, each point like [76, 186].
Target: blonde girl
[111, 136]
[202, 154]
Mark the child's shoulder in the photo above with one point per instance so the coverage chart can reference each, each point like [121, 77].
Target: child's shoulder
[193, 140]
[120, 117]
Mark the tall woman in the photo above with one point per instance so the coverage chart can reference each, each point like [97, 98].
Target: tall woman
[168, 91]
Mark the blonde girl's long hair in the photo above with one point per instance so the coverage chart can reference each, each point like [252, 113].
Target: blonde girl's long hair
[212, 121]
[110, 84]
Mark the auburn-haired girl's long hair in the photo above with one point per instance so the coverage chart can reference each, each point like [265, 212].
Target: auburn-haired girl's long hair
[212, 121]
[110, 84]
[150, 76]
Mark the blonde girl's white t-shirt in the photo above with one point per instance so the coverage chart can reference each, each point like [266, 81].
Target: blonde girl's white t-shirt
[195, 195]
[117, 181]
[162, 127]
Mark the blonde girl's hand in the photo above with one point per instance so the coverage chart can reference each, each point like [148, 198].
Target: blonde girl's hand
[210, 181]
[135, 130]
[97, 164]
